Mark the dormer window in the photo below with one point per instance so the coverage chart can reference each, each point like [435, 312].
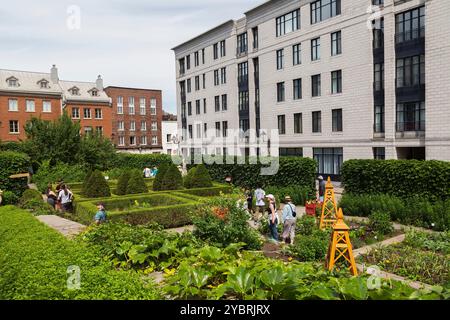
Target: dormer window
[12, 82]
[74, 91]
[93, 92]
[43, 84]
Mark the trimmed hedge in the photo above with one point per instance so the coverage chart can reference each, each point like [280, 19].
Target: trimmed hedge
[13, 163]
[298, 194]
[96, 186]
[291, 171]
[136, 183]
[172, 179]
[34, 260]
[140, 161]
[429, 180]
[52, 173]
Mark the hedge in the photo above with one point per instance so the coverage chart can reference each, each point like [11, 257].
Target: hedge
[34, 260]
[291, 171]
[52, 173]
[140, 161]
[414, 211]
[429, 180]
[13, 163]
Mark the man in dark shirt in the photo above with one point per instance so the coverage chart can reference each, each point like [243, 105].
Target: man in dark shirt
[322, 185]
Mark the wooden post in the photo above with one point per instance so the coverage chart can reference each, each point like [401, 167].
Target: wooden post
[329, 207]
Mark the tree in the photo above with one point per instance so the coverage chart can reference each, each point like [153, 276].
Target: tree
[122, 183]
[97, 187]
[157, 183]
[201, 178]
[172, 179]
[96, 152]
[136, 183]
[188, 179]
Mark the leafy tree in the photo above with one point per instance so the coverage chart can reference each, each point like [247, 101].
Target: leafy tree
[172, 179]
[97, 187]
[96, 152]
[201, 178]
[136, 183]
[122, 183]
[157, 183]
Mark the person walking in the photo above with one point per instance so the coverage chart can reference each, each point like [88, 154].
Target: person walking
[51, 196]
[322, 185]
[65, 197]
[147, 172]
[249, 198]
[100, 216]
[260, 204]
[289, 219]
[273, 218]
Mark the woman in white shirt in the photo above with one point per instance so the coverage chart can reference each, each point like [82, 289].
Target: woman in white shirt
[65, 197]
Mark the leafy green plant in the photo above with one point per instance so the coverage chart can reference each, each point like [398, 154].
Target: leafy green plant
[188, 179]
[28, 195]
[305, 225]
[200, 177]
[9, 197]
[381, 223]
[436, 242]
[172, 179]
[96, 186]
[157, 184]
[13, 163]
[299, 194]
[136, 183]
[38, 207]
[310, 247]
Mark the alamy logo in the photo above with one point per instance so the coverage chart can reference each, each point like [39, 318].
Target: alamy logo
[74, 279]
[373, 21]
[73, 21]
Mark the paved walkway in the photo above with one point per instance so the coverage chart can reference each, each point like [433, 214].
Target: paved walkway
[66, 227]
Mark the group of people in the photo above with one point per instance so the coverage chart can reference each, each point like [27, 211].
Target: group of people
[150, 173]
[62, 199]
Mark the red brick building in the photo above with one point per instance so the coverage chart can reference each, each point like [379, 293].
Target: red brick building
[136, 119]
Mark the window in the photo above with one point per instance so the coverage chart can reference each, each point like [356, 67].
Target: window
[324, 9]
[411, 116]
[216, 51]
[87, 113]
[244, 126]
[297, 54]
[410, 25]
[190, 131]
[255, 38]
[99, 130]
[197, 83]
[144, 140]
[224, 102]
[336, 82]
[242, 73]
[133, 125]
[337, 120]
[378, 70]
[153, 106]
[280, 92]
[94, 93]
[329, 159]
[315, 49]
[13, 82]
[288, 23]
[119, 105]
[378, 33]
[121, 126]
[131, 105]
[282, 124]
[47, 106]
[87, 130]
[298, 123]
[377, 2]
[243, 100]
[13, 106]
[121, 141]
[225, 129]
[198, 131]
[379, 119]
[154, 141]
[217, 129]
[196, 59]
[154, 126]
[217, 103]
[43, 84]
[132, 140]
[411, 71]
[205, 130]
[197, 106]
[169, 138]
[317, 122]
[189, 86]
[216, 77]
[280, 57]
[203, 56]
[75, 113]
[204, 81]
[142, 106]
[98, 114]
[315, 80]
[242, 43]
[297, 85]
[143, 125]
[30, 106]
[291, 152]
[204, 105]
[181, 64]
[336, 43]
[188, 62]
[223, 75]
[379, 153]
[222, 48]
[13, 126]
[189, 108]
[75, 91]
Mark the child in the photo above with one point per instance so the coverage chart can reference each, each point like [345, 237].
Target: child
[100, 216]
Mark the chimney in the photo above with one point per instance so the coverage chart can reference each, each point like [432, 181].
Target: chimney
[99, 83]
[54, 74]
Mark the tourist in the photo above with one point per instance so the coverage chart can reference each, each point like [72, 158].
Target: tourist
[65, 197]
[58, 190]
[260, 204]
[322, 185]
[147, 172]
[100, 216]
[154, 172]
[289, 220]
[51, 196]
[249, 197]
[273, 218]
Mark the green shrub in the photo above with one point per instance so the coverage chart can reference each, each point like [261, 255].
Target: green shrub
[157, 183]
[172, 179]
[9, 197]
[380, 222]
[428, 180]
[305, 225]
[188, 179]
[38, 207]
[115, 173]
[136, 183]
[52, 173]
[201, 178]
[122, 184]
[96, 186]
[312, 247]
[13, 163]
[298, 194]
[85, 183]
[140, 161]
[29, 195]
[34, 261]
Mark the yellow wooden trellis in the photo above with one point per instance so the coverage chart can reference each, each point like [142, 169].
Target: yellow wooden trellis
[340, 249]
[329, 207]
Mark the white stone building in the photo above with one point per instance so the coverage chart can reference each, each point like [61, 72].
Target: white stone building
[339, 79]
[170, 134]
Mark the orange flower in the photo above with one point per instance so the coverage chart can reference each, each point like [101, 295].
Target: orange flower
[220, 213]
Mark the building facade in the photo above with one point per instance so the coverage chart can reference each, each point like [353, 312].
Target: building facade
[136, 119]
[170, 134]
[338, 79]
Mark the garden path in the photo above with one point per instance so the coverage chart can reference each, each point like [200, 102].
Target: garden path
[66, 227]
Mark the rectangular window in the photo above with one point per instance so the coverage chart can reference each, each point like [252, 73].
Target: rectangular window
[131, 105]
[188, 62]
[378, 33]
[337, 120]
[87, 130]
[30, 106]
[204, 81]
[316, 87]
[298, 123]
[288, 23]
[13, 126]
[223, 75]
[120, 126]
[143, 125]
[132, 125]
[144, 140]
[242, 43]
[225, 129]
[411, 71]
[13, 105]
[336, 43]
[189, 86]
[121, 141]
[205, 130]
[224, 102]
[378, 70]
[255, 38]
[297, 85]
[329, 160]
[75, 113]
[154, 141]
[142, 106]
[190, 131]
[379, 119]
[47, 106]
[379, 153]
[336, 82]
[198, 131]
[297, 54]
[189, 108]
[222, 48]
[197, 107]
[317, 122]
[280, 58]
[132, 141]
[291, 152]
[217, 129]
[282, 124]
[87, 113]
[98, 114]
[204, 105]
[243, 100]
[154, 126]
[410, 25]
[216, 51]
[153, 106]
[315, 49]
[119, 105]
[324, 9]
[99, 130]
[280, 92]
[411, 116]
[216, 77]
[197, 83]
[217, 103]
[203, 56]
[182, 66]
[196, 59]
[242, 73]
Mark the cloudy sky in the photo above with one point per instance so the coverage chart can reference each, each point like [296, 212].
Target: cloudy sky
[128, 42]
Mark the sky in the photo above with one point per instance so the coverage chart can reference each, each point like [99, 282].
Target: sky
[128, 42]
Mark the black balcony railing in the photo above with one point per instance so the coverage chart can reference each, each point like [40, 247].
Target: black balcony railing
[410, 126]
[410, 35]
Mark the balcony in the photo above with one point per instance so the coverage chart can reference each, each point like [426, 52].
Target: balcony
[410, 129]
[241, 52]
[410, 93]
[410, 43]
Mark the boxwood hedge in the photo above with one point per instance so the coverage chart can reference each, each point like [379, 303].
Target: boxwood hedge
[140, 161]
[13, 163]
[34, 261]
[429, 180]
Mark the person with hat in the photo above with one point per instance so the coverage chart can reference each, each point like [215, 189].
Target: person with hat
[322, 185]
[289, 220]
[100, 216]
[273, 217]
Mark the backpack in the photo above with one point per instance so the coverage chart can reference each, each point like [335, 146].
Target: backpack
[294, 214]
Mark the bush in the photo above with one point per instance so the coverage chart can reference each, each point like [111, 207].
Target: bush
[305, 225]
[48, 174]
[38, 207]
[189, 178]
[136, 183]
[30, 195]
[200, 177]
[157, 184]
[380, 222]
[172, 179]
[34, 261]
[9, 197]
[96, 186]
[140, 161]
[299, 194]
[122, 184]
[428, 180]
[13, 163]
[312, 247]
